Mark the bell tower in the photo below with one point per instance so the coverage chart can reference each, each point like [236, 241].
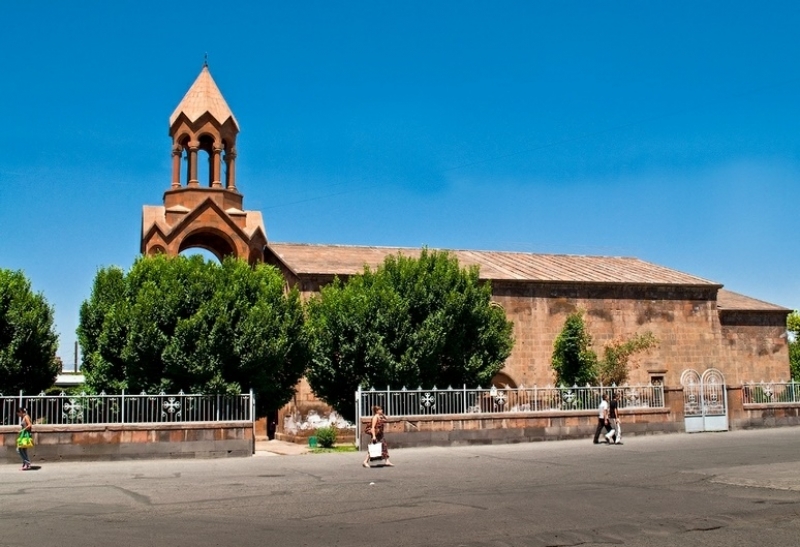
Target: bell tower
[206, 213]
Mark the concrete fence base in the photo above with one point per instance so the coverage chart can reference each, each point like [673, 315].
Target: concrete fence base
[454, 430]
[132, 441]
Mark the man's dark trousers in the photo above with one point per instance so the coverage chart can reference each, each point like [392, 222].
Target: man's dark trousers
[600, 424]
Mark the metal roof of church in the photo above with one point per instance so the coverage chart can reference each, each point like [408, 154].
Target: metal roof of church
[204, 96]
[730, 301]
[308, 259]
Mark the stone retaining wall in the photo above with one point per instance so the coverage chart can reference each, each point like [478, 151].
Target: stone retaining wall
[465, 429]
[751, 416]
[132, 441]
[454, 430]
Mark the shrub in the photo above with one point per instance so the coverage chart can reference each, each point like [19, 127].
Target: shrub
[573, 360]
[618, 354]
[326, 436]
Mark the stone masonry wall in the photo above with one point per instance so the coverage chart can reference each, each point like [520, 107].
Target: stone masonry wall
[755, 345]
[131, 441]
[453, 430]
[684, 320]
[750, 416]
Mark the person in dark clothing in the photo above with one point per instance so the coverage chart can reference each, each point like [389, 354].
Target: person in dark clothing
[603, 421]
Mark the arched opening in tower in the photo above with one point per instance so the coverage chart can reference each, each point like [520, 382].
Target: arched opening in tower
[219, 246]
[183, 171]
[205, 158]
[225, 178]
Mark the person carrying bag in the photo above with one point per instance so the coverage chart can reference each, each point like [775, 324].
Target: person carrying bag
[24, 439]
[377, 450]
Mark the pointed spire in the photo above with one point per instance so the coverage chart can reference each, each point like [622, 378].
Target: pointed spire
[204, 96]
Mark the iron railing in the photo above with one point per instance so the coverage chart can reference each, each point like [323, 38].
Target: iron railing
[127, 408]
[771, 393]
[431, 402]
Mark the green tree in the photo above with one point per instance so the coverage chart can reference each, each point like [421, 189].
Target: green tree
[412, 322]
[573, 360]
[793, 326]
[184, 323]
[614, 367]
[28, 340]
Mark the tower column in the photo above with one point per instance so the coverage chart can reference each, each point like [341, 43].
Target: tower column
[230, 159]
[176, 166]
[216, 168]
[193, 148]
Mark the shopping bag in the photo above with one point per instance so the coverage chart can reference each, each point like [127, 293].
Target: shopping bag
[24, 440]
[375, 450]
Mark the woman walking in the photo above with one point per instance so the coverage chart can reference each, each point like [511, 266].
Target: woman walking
[375, 428]
[24, 440]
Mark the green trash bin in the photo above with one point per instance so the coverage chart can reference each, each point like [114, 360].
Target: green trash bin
[312, 442]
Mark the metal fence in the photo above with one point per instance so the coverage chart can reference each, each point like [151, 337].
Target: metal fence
[774, 393]
[432, 402]
[128, 408]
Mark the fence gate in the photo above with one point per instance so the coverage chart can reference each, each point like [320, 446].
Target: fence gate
[705, 401]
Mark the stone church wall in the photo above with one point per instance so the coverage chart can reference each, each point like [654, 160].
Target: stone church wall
[755, 345]
[684, 320]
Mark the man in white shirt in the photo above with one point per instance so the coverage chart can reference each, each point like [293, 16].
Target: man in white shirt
[602, 421]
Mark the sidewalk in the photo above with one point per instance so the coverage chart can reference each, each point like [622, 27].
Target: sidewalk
[280, 448]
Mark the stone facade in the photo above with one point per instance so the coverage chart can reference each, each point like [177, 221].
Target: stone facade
[755, 345]
[684, 320]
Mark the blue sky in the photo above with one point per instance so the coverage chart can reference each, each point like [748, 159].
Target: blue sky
[669, 131]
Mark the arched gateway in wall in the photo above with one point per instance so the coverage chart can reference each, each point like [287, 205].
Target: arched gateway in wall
[206, 214]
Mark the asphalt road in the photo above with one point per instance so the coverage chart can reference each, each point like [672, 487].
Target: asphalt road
[720, 489]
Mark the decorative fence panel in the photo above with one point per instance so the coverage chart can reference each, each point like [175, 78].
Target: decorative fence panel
[431, 402]
[771, 393]
[128, 408]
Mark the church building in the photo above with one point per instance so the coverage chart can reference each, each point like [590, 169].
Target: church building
[699, 324]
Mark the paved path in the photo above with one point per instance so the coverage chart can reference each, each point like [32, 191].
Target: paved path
[280, 448]
[722, 489]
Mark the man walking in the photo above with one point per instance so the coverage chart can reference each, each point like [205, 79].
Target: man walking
[602, 421]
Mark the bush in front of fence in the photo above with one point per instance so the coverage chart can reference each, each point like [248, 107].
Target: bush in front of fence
[326, 436]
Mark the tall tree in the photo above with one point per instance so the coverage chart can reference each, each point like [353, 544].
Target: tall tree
[28, 340]
[411, 322]
[573, 360]
[793, 326]
[184, 323]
